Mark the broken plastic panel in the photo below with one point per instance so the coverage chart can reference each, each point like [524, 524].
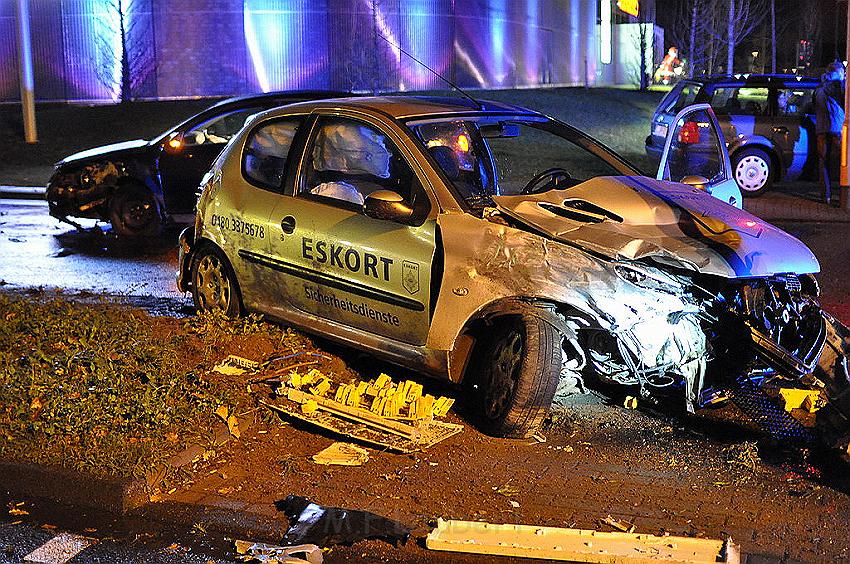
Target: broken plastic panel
[310, 523]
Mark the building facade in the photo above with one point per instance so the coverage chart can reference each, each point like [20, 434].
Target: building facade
[106, 50]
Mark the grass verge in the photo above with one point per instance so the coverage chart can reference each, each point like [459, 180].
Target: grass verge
[113, 391]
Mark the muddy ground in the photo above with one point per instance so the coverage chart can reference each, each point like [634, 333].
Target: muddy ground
[708, 475]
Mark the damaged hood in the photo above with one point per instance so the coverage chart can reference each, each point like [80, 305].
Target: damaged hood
[105, 151]
[632, 218]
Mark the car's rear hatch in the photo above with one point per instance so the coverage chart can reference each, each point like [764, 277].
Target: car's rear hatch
[683, 94]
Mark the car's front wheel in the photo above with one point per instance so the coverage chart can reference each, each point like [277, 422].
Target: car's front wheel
[214, 284]
[515, 375]
[753, 171]
[134, 212]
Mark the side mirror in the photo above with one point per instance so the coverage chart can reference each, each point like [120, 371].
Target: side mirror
[387, 205]
[700, 182]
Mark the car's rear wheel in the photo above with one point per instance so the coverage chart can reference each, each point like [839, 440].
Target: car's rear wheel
[134, 212]
[753, 170]
[214, 284]
[515, 375]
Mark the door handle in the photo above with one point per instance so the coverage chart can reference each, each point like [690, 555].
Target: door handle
[780, 129]
[287, 224]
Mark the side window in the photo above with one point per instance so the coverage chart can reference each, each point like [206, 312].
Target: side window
[794, 102]
[266, 151]
[695, 149]
[734, 100]
[219, 129]
[347, 160]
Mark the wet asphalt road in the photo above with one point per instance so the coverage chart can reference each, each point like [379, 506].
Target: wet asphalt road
[38, 250]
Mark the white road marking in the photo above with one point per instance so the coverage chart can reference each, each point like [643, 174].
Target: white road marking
[59, 549]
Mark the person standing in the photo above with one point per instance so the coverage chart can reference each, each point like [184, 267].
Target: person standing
[829, 117]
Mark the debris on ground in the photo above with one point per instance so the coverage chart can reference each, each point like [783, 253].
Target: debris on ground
[745, 454]
[15, 509]
[575, 545]
[342, 454]
[236, 366]
[808, 400]
[61, 548]
[229, 419]
[630, 402]
[396, 416]
[272, 554]
[310, 523]
[618, 524]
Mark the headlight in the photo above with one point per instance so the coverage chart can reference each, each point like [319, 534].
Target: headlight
[648, 280]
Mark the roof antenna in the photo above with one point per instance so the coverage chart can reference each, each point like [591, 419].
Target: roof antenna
[435, 73]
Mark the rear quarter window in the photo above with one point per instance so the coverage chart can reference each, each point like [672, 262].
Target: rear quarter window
[683, 95]
[266, 152]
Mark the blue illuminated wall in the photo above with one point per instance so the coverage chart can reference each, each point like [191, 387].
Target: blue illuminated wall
[226, 47]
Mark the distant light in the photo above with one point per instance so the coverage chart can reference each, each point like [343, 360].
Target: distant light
[175, 143]
[749, 223]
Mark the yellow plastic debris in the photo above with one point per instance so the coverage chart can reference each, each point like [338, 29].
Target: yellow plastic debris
[342, 454]
[309, 406]
[800, 399]
[383, 381]
[442, 406]
[222, 412]
[321, 387]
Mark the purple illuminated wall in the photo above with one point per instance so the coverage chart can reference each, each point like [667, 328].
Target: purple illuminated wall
[186, 48]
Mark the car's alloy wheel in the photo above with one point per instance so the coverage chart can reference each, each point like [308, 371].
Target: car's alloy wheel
[515, 374]
[752, 172]
[214, 285]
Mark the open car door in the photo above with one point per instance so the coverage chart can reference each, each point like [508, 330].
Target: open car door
[695, 154]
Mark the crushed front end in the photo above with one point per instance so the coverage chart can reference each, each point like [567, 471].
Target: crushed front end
[83, 191]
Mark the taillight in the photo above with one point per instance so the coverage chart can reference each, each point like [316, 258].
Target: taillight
[689, 133]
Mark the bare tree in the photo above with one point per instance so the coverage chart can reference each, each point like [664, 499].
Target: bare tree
[773, 36]
[744, 16]
[125, 42]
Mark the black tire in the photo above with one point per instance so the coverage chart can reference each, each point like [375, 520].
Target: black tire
[515, 374]
[753, 171]
[214, 284]
[134, 212]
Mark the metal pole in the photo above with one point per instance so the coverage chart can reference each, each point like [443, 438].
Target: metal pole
[26, 74]
[845, 146]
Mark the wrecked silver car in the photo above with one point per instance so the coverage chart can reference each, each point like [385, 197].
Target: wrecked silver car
[507, 251]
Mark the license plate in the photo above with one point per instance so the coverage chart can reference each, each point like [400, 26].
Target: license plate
[660, 130]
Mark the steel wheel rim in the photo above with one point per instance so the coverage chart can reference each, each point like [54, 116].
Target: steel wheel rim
[504, 375]
[212, 284]
[752, 173]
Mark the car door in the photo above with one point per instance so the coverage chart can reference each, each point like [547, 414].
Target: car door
[186, 156]
[335, 262]
[695, 153]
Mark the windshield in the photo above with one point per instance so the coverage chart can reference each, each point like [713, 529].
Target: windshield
[498, 156]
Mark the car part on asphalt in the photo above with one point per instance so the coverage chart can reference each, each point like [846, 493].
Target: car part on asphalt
[599, 275]
[342, 454]
[310, 523]
[271, 554]
[576, 545]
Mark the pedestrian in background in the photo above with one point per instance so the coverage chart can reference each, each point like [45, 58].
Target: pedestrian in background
[829, 117]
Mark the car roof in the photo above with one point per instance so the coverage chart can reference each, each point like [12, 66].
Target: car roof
[405, 107]
[281, 95]
[760, 79]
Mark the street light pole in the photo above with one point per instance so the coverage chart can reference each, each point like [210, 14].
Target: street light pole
[26, 74]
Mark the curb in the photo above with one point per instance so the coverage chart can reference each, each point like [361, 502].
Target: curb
[23, 192]
[129, 498]
[73, 488]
